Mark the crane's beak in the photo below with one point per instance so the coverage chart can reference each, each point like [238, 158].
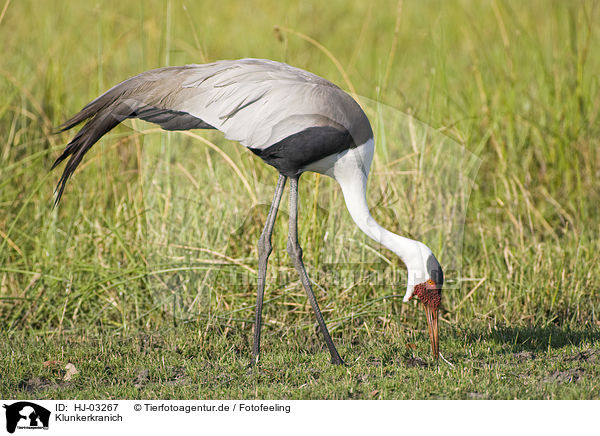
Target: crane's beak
[434, 335]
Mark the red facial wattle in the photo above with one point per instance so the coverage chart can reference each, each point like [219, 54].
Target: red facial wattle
[430, 295]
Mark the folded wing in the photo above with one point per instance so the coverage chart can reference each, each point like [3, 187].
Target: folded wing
[255, 102]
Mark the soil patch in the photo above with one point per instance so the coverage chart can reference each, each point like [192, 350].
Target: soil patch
[37, 384]
[568, 376]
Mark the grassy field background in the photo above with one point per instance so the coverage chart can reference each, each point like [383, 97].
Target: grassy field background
[144, 277]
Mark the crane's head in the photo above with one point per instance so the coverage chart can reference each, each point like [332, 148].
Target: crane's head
[425, 281]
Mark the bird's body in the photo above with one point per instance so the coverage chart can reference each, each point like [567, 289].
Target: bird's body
[292, 119]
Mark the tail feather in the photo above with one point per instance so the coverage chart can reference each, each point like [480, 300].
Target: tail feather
[102, 121]
[94, 107]
[155, 96]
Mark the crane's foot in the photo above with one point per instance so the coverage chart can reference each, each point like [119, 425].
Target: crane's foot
[253, 366]
[335, 357]
[338, 361]
[254, 361]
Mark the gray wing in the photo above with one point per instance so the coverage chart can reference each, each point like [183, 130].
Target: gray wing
[255, 102]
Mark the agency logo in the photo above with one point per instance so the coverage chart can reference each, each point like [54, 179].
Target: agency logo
[26, 415]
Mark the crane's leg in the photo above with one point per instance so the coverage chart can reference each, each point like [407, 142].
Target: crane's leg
[295, 251]
[264, 250]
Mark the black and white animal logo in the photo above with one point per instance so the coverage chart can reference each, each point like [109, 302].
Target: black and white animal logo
[26, 415]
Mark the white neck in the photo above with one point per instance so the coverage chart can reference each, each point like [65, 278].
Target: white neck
[354, 189]
[351, 170]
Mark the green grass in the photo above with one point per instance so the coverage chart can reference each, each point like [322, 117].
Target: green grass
[156, 235]
[504, 363]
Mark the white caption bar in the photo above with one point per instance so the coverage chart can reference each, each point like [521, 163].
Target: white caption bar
[249, 417]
